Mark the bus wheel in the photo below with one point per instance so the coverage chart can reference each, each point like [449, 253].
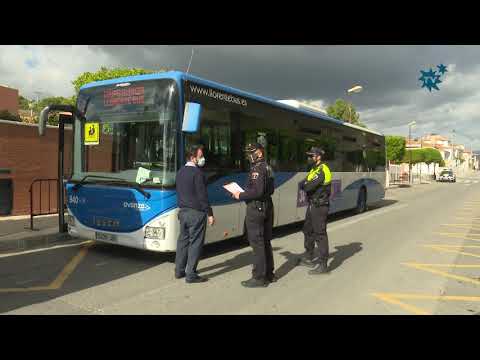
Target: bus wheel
[362, 201]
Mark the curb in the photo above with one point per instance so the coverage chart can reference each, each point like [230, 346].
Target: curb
[43, 239]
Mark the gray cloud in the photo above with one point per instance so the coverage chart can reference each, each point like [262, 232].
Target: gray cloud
[391, 97]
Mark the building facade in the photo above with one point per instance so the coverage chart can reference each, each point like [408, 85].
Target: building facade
[8, 99]
[25, 157]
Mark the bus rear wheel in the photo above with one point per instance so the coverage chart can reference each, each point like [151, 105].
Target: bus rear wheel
[362, 201]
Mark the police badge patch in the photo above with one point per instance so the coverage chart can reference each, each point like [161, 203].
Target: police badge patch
[254, 176]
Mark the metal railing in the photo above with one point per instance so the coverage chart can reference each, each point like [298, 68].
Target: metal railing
[41, 210]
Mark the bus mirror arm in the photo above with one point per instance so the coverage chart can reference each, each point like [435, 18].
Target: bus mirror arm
[43, 117]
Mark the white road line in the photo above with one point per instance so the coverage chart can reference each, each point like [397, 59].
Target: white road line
[102, 263]
[45, 249]
[25, 282]
[366, 216]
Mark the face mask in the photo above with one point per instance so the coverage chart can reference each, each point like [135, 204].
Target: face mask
[201, 162]
[253, 157]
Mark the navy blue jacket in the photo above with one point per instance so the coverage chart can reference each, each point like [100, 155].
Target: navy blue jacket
[192, 189]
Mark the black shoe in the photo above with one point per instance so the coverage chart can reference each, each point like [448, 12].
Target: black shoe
[272, 278]
[322, 268]
[308, 262]
[196, 279]
[179, 276]
[253, 283]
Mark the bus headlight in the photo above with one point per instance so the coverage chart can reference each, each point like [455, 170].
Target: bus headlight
[155, 232]
[70, 220]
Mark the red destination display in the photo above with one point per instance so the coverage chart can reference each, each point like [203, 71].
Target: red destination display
[127, 96]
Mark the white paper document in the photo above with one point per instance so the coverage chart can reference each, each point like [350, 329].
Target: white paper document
[233, 187]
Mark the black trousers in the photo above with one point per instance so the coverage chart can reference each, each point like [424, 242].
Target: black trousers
[315, 231]
[259, 232]
[190, 242]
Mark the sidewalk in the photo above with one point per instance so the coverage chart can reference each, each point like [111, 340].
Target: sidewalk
[15, 233]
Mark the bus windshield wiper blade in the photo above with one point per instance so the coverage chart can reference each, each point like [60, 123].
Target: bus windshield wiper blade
[81, 182]
[116, 180]
[132, 185]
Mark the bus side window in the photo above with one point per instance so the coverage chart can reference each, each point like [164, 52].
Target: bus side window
[215, 135]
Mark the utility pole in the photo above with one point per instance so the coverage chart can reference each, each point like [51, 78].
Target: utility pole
[410, 151]
[453, 148]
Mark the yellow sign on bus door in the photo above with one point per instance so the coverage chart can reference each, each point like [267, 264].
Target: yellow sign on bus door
[92, 133]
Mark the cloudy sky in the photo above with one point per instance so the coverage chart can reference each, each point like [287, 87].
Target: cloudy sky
[392, 95]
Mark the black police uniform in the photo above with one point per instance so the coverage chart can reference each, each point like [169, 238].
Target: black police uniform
[315, 226]
[259, 219]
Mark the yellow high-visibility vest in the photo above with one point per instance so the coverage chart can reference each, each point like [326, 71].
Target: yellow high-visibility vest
[316, 170]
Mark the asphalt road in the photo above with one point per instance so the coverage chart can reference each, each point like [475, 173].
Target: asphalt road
[416, 253]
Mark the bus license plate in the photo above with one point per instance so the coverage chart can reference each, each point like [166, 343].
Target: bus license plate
[105, 237]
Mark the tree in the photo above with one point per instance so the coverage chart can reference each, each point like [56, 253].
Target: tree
[344, 111]
[24, 103]
[432, 156]
[395, 148]
[105, 74]
[53, 100]
[7, 115]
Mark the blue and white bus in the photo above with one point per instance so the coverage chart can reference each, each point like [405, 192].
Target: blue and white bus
[129, 140]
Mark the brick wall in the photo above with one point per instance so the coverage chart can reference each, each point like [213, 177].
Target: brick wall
[29, 156]
[9, 99]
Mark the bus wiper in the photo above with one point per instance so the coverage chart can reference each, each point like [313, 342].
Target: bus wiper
[132, 185]
[81, 182]
[116, 180]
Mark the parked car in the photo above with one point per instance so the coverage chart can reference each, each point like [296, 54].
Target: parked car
[447, 176]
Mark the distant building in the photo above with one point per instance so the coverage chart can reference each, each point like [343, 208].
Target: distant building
[456, 156]
[9, 99]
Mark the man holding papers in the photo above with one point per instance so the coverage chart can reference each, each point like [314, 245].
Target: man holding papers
[259, 217]
[195, 212]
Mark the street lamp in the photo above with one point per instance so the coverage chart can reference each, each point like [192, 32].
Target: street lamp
[410, 125]
[453, 148]
[356, 89]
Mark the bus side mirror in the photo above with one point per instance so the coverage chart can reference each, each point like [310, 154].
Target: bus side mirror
[191, 117]
[42, 120]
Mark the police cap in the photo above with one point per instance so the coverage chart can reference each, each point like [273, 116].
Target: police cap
[253, 147]
[315, 151]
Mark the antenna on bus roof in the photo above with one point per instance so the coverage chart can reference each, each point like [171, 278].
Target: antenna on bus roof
[190, 62]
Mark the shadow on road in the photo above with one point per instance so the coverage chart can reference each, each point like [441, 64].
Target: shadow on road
[105, 263]
[237, 262]
[343, 253]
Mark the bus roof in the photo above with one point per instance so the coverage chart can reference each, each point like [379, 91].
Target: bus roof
[179, 75]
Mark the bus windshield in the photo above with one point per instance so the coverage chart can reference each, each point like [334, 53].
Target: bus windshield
[129, 132]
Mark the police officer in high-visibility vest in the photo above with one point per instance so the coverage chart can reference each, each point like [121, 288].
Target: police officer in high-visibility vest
[317, 187]
[259, 216]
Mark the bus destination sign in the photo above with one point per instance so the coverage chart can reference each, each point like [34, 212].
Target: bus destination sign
[126, 96]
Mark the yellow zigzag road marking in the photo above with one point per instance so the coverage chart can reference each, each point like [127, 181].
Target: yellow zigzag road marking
[392, 299]
[445, 248]
[466, 226]
[428, 268]
[58, 282]
[459, 236]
